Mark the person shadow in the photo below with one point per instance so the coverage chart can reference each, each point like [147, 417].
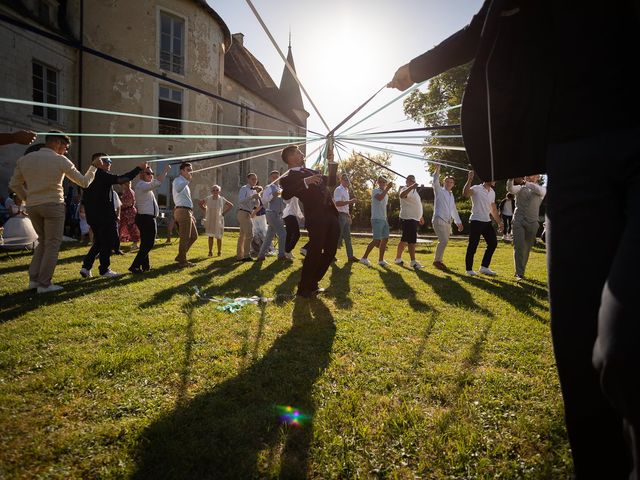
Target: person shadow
[234, 430]
[341, 285]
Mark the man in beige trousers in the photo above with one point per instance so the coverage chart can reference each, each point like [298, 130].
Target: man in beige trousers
[183, 213]
[37, 179]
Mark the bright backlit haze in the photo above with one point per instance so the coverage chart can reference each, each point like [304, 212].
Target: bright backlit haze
[345, 50]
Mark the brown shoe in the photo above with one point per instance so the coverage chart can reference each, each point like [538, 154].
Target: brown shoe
[440, 266]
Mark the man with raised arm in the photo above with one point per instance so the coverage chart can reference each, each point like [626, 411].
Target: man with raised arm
[37, 180]
[444, 211]
[483, 207]
[321, 217]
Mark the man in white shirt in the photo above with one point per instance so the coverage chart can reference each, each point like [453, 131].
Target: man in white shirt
[183, 213]
[293, 218]
[342, 201]
[529, 196]
[147, 211]
[444, 211]
[410, 218]
[483, 207]
[248, 205]
[274, 206]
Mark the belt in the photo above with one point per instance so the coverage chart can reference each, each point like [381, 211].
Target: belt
[243, 210]
[186, 208]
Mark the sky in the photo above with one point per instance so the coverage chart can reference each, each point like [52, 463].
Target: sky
[346, 50]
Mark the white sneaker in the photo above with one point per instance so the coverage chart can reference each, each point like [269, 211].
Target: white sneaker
[110, 274]
[134, 248]
[33, 284]
[416, 265]
[289, 256]
[85, 273]
[303, 252]
[487, 271]
[471, 273]
[383, 263]
[365, 261]
[398, 261]
[50, 288]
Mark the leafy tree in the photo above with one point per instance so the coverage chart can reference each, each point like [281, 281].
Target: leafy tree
[444, 91]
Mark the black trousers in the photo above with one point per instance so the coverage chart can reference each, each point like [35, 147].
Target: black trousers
[103, 238]
[476, 229]
[593, 291]
[506, 219]
[293, 232]
[148, 229]
[324, 232]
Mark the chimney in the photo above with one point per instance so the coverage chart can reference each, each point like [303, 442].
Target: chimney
[238, 38]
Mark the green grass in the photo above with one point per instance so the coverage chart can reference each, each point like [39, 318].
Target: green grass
[402, 374]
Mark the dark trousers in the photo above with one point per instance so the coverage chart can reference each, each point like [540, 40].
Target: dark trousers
[293, 232]
[116, 237]
[506, 219]
[593, 291]
[321, 249]
[148, 229]
[476, 229]
[103, 238]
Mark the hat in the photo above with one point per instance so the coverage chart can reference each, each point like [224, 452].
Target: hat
[383, 179]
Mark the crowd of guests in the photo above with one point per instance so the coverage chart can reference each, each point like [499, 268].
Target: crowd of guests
[264, 214]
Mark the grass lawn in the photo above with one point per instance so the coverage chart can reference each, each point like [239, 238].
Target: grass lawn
[395, 373]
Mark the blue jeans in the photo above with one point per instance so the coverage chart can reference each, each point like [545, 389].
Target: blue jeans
[276, 227]
[593, 289]
[344, 219]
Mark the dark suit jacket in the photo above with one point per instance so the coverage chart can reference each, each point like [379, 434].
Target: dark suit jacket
[98, 197]
[316, 200]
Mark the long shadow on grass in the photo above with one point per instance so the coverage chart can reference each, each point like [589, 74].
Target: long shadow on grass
[233, 431]
[22, 267]
[20, 303]
[397, 286]
[451, 292]
[341, 285]
[521, 296]
[244, 283]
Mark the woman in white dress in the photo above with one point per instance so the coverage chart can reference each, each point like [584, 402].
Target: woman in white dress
[215, 207]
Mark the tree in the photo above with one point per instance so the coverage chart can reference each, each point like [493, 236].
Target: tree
[445, 90]
[363, 175]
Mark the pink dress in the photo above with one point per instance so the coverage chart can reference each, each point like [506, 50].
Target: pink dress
[128, 230]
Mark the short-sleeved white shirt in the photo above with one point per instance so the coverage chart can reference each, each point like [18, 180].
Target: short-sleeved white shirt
[341, 194]
[481, 200]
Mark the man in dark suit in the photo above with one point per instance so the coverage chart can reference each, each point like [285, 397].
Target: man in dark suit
[101, 215]
[321, 216]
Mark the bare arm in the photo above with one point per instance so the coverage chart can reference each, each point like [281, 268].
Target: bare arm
[406, 191]
[496, 216]
[23, 137]
[380, 196]
[466, 191]
[227, 206]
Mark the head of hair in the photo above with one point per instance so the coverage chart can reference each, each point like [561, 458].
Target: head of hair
[449, 177]
[214, 187]
[343, 176]
[274, 172]
[98, 155]
[57, 135]
[382, 178]
[184, 165]
[251, 174]
[287, 151]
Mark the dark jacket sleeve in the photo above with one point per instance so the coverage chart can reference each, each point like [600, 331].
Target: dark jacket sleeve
[292, 185]
[126, 177]
[458, 49]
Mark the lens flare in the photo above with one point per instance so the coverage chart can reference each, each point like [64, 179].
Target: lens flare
[291, 415]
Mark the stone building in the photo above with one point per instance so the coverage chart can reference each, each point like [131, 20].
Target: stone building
[162, 58]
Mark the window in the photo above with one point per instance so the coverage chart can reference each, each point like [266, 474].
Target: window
[243, 168]
[169, 105]
[45, 89]
[245, 114]
[171, 43]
